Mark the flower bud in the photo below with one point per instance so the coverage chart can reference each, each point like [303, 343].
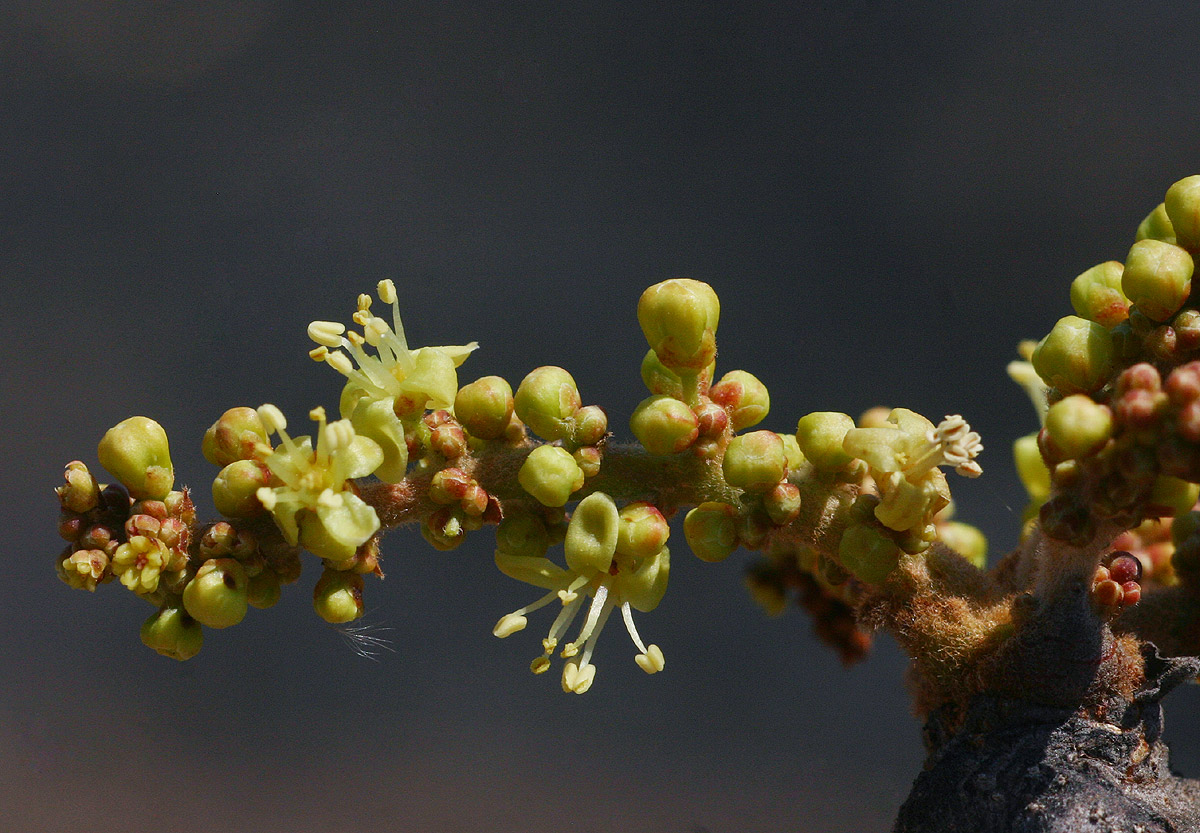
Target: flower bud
[522, 534]
[711, 531]
[173, 633]
[135, 452]
[664, 425]
[1076, 356]
[782, 503]
[1157, 278]
[217, 596]
[550, 474]
[1096, 294]
[743, 396]
[592, 533]
[1156, 226]
[588, 459]
[660, 379]
[643, 530]
[80, 492]
[755, 462]
[546, 401]
[235, 489]
[820, 437]
[1078, 427]
[679, 319]
[868, 553]
[263, 590]
[1172, 496]
[238, 435]
[1182, 205]
[485, 407]
[444, 529]
[337, 596]
[591, 424]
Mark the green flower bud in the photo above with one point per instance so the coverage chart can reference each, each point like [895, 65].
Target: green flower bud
[591, 538]
[135, 452]
[173, 633]
[679, 319]
[80, 493]
[643, 530]
[868, 553]
[1096, 294]
[376, 420]
[743, 396]
[1182, 205]
[1156, 226]
[820, 437]
[522, 533]
[546, 401]
[782, 503]
[217, 596]
[1031, 468]
[485, 407]
[235, 489]
[1157, 278]
[238, 435]
[1173, 496]
[550, 474]
[591, 424]
[755, 462]
[588, 459]
[263, 590]
[337, 596]
[1078, 427]
[711, 531]
[1076, 356]
[965, 540]
[664, 425]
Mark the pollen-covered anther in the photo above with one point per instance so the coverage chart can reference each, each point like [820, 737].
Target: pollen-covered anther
[326, 333]
[509, 624]
[959, 444]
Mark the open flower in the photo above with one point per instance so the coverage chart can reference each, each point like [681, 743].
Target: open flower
[412, 379]
[316, 505]
[595, 570]
[903, 458]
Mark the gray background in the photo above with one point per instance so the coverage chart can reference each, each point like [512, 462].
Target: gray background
[887, 196]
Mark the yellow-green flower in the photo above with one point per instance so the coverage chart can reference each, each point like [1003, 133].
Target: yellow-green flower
[903, 458]
[316, 506]
[412, 379]
[595, 569]
[139, 563]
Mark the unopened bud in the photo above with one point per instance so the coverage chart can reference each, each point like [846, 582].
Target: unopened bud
[820, 437]
[135, 451]
[546, 401]
[1076, 356]
[485, 407]
[743, 396]
[755, 462]
[217, 596]
[337, 596]
[664, 425]
[550, 474]
[1157, 278]
[711, 531]
[679, 319]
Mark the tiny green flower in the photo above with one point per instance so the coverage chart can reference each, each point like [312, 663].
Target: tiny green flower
[485, 407]
[337, 596]
[546, 401]
[173, 633]
[755, 462]
[1076, 356]
[550, 474]
[412, 380]
[744, 397]
[316, 506]
[1096, 294]
[679, 319]
[711, 531]
[139, 563]
[664, 425]
[820, 436]
[217, 595]
[83, 569]
[135, 452]
[1157, 278]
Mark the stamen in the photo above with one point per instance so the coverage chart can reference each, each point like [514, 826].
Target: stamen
[627, 615]
[387, 291]
[598, 605]
[340, 362]
[327, 333]
[318, 354]
[272, 418]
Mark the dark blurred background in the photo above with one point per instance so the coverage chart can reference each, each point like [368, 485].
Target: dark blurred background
[887, 196]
